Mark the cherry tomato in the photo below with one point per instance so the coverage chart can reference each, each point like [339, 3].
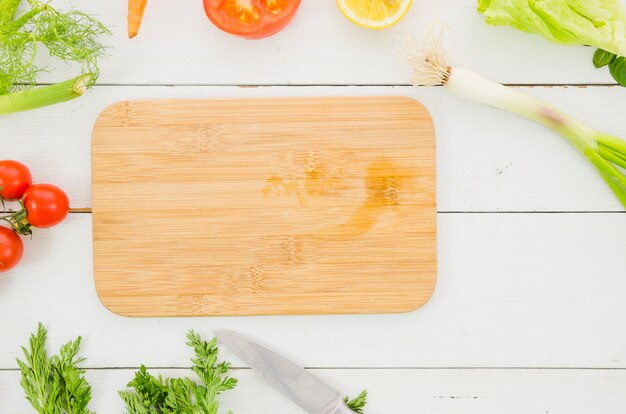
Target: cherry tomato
[11, 249]
[252, 19]
[15, 178]
[46, 205]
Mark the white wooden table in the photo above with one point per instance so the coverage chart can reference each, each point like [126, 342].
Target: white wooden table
[529, 314]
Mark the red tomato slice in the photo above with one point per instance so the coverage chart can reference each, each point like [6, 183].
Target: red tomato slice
[252, 19]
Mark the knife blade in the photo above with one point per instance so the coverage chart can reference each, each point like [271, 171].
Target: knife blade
[302, 387]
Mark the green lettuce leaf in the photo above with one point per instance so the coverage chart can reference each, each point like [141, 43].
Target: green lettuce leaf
[599, 23]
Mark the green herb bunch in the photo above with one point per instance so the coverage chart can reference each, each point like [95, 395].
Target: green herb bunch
[69, 36]
[54, 385]
[156, 395]
[358, 404]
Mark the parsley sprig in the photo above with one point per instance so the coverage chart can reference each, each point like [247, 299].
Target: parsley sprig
[155, 395]
[54, 385]
[57, 385]
[358, 404]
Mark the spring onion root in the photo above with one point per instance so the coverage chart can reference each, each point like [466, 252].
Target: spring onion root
[430, 67]
[45, 95]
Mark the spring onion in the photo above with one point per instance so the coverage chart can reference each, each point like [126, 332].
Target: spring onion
[607, 153]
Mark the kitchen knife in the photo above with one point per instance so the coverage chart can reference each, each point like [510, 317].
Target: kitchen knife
[302, 387]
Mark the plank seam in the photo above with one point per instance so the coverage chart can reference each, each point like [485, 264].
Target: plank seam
[87, 210]
[344, 85]
[374, 368]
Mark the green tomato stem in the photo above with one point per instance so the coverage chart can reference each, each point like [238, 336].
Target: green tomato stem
[45, 95]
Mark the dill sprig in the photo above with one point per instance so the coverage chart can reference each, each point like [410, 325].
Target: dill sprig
[54, 384]
[155, 395]
[69, 36]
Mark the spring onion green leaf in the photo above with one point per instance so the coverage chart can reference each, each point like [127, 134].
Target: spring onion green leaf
[605, 152]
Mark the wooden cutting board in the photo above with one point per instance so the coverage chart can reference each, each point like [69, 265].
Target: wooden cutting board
[259, 207]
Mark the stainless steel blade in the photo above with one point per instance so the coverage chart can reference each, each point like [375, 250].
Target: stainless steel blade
[302, 387]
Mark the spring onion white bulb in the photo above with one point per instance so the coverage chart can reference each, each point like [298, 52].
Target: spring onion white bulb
[605, 152]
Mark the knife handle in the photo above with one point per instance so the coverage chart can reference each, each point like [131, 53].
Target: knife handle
[342, 409]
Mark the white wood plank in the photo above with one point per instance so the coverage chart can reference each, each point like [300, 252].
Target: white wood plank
[394, 391]
[178, 45]
[488, 160]
[514, 290]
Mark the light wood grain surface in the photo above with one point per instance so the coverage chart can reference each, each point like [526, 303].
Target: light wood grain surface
[264, 207]
[528, 313]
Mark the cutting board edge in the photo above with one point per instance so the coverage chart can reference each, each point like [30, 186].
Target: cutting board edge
[126, 102]
[412, 307]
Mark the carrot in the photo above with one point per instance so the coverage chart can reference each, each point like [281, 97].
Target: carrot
[135, 14]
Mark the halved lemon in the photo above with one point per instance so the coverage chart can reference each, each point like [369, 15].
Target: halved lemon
[374, 14]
